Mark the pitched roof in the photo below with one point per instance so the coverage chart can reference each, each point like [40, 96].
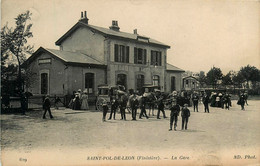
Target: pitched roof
[67, 57]
[190, 77]
[173, 68]
[112, 33]
[74, 57]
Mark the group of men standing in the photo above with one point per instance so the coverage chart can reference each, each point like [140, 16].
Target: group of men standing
[134, 102]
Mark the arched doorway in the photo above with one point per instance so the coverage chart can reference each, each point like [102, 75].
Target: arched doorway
[122, 80]
[139, 82]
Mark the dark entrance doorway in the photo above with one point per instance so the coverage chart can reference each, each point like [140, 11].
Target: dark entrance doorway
[44, 83]
[139, 82]
[173, 87]
[122, 80]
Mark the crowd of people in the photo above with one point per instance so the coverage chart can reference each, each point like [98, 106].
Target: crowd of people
[144, 102]
[176, 102]
[79, 100]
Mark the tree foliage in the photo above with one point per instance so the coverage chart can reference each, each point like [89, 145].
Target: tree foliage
[250, 73]
[14, 42]
[213, 76]
[227, 79]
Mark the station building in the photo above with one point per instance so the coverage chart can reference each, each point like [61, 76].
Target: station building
[89, 56]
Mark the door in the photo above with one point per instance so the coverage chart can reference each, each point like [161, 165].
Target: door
[44, 83]
[122, 80]
[173, 88]
[139, 82]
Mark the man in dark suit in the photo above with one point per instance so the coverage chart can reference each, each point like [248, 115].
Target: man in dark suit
[47, 107]
[142, 107]
[122, 106]
[114, 106]
[160, 108]
[134, 105]
[195, 100]
[175, 110]
[205, 101]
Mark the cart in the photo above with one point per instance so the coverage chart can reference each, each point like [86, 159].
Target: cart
[106, 93]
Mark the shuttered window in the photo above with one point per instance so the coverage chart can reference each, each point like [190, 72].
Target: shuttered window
[121, 53]
[140, 56]
[156, 58]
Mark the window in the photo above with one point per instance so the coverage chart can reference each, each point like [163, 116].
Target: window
[44, 83]
[121, 80]
[140, 56]
[187, 83]
[121, 53]
[139, 82]
[156, 80]
[89, 82]
[156, 58]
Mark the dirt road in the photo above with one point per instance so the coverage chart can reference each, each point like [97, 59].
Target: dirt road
[220, 137]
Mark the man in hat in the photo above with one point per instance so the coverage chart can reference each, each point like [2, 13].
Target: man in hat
[175, 110]
[134, 105]
[195, 100]
[142, 107]
[122, 106]
[47, 107]
[160, 108]
[205, 101]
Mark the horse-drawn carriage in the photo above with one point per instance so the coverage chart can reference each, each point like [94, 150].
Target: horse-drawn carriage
[106, 93]
[151, 93]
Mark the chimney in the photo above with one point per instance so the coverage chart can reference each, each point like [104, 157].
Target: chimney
[135, 31]
[84, 17]
[114, 26]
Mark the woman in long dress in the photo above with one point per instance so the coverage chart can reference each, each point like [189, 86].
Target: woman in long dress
[84, 100]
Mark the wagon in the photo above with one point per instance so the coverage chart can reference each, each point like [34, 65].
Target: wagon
[105, 94]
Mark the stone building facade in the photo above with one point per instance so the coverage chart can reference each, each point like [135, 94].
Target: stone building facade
[91, 55]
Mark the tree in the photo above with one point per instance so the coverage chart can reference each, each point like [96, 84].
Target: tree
[227, 79]
[213, 76]
[14, 41]
[202, 79]
[249, 73]
[238, 79]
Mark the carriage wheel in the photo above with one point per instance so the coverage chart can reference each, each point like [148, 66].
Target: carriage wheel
[99, 104]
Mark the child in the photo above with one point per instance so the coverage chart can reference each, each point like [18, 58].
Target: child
[185, 114]
[56, 101]
[105, 109]
[114, 105]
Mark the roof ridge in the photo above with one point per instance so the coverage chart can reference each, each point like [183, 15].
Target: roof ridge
[122, 32]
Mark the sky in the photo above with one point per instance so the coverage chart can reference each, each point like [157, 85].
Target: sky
[201, 33]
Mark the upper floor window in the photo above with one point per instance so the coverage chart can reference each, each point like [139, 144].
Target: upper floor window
[121, 53]
[140, 56]
[156, 58]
